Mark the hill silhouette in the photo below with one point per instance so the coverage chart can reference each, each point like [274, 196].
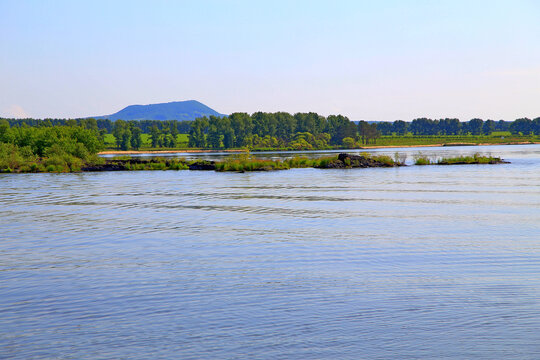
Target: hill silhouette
[176, 110]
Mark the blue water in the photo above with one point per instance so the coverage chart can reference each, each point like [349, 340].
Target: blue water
[437, 262]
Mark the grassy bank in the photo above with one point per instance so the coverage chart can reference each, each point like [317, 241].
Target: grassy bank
[235, 163]
[477, 158]
[502, 137]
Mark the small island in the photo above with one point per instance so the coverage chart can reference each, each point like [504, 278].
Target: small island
[245, 163]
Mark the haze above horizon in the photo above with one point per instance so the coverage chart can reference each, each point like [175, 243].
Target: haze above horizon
[366, 60]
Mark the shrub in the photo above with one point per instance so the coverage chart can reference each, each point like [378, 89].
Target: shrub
[385, 159]
[400, 158]
[13, 157]
[475, 159]
[157, 166]
[348, 142]
[420, 159]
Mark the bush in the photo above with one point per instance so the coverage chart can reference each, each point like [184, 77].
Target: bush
[13, 157]
[420, 159]
[385, 159]
[60, 148]
[348, 143]
[400, 159]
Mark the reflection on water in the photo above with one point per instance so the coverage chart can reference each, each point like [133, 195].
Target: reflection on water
[414, 262]
[521, 151]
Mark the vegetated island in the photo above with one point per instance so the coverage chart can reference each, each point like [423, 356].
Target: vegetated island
[245, 163]
[234, 163]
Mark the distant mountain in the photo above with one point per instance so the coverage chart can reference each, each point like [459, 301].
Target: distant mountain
[176, 110]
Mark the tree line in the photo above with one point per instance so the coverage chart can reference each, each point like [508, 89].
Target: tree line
[182, 127]
[425, 126]
[301, 131]
[271, 130]
[306, 130]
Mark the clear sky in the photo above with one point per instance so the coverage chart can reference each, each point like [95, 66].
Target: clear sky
[371, 60]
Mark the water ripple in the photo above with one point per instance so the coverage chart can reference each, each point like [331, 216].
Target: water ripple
[416, 262]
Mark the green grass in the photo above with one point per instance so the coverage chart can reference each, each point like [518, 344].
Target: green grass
[475, 159]
[500, 137]
[182, 142]
[251, 165]
[422, 161]
[110, 140]
[385, 159]
[16, 162]
[244, 162]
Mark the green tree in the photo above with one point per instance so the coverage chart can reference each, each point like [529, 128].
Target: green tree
[424, 126]
[286, 125]
[488, 127]
[264, 124]
[363, 130]
[476, 126]
[197, 133]
[4, 127]
[215, 129]
[90, 123]
[154, 136]
[228, 138]
[348, 142]
[536, 126]
[340, 127]
[173, 128]
[119, 128]
[242, 126]
[136, 138]
[449, 126]
[46, 123]
[386, 128]
[522, 125]
[126, 139]
[400, 127]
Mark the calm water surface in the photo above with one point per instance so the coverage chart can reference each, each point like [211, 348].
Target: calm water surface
[411, 263]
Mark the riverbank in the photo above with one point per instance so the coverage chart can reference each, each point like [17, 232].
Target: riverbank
[174, 151]
[239, 151]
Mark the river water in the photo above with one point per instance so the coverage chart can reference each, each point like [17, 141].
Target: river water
[436, 262]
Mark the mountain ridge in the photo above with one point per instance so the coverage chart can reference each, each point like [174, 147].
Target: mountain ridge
[174, 110]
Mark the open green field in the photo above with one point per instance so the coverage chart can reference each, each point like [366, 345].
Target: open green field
[501, 137]
[110, 142]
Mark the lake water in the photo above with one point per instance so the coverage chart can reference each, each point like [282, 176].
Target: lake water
[437, 262]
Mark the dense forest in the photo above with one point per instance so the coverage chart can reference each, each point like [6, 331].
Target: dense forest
[278, 130]
[47, 148]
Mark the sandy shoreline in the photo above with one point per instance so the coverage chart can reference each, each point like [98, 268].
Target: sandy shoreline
[134, 152]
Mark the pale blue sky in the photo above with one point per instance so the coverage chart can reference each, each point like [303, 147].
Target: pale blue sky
[372, 60]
